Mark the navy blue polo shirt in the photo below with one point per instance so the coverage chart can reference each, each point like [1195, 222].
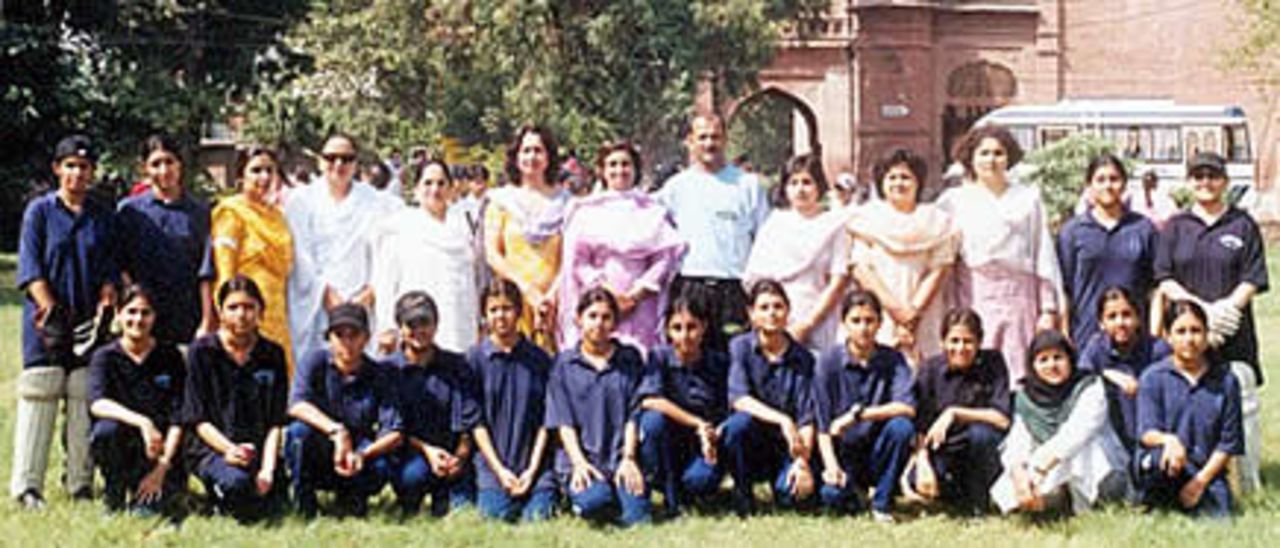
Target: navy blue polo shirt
[1211, 261]
[1101, 355]
[841, 381]
[73, 253]
[364, 402]
[699, 388]
[1094, 258]
[598, 404]
[244, 402]
[983, 385]
[152, 388]
[513, 395]
[785, 385]
[165, 247]
[1205, 416]
[437, 401]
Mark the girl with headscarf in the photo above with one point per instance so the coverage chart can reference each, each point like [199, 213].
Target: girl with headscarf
[1061, 443]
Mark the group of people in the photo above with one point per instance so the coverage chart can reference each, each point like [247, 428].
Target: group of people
[522, 348]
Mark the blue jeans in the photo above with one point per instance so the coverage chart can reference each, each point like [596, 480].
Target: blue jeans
[537, 505]
[1158, 489]
[309, 455]
[412, 480]
[756, 451]
[235, 490]
[602, 501]
[870, 453]
[672, 454]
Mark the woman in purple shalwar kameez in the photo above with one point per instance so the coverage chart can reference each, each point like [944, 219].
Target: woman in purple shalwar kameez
[621, 240]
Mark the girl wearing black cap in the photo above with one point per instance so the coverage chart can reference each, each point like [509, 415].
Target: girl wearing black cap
[1061, 443]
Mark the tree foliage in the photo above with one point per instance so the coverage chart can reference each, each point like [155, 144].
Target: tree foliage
[119, 70]
[1059, 171]
[402, 72]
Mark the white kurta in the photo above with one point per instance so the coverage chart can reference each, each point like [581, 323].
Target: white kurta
[1088, 450]
[333, 247]
[416, 251]
[804, 255]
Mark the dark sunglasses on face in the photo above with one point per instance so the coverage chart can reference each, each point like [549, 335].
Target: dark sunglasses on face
[339, 158]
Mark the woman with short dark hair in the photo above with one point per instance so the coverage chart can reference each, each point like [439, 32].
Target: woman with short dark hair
[1008, 270]
[903, 252]
[635, 263]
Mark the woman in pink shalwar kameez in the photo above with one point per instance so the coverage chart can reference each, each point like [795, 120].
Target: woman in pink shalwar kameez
[1008, 270]
[622, 240]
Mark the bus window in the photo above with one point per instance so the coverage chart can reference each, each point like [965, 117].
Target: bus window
[1052, 134]
[1166, 144]
[1130, 141]
[1025, 136]
[1237, 143]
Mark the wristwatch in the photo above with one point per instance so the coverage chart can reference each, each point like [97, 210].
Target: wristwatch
[340, 428]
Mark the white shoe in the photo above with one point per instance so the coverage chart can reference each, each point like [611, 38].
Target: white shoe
[882, 517]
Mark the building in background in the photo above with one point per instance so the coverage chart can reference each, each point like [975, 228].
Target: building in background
[872, 75]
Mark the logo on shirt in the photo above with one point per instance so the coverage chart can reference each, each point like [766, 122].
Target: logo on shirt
[163, 381]
[1231, 241]
[265, 378]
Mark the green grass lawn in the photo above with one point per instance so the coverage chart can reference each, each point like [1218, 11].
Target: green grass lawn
[66, 523]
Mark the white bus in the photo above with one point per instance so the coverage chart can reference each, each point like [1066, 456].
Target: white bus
[1159, 134]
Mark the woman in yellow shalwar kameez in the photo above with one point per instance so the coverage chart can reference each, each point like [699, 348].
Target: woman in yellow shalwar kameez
[251, 237]
[522, 226]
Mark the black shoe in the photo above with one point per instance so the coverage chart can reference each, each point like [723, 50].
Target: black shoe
[113, 497]
[31, 500]
[82, 494]
[353, 505]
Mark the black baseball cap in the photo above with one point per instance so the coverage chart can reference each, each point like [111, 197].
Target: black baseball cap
[1208, 160]
[76, 145]
[348, 315]
[416, 306]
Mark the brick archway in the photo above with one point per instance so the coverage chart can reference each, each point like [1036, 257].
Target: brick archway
[797, 105]
[974, 89]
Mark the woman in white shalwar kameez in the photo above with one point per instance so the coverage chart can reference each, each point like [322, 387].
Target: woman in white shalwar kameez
[428, 248]
[807, 250]
[1061, 441]
[332, 221]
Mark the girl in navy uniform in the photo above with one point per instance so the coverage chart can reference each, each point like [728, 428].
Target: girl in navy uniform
[1189, 420]
[234, 407]
[865, 406]
[135, 387]
[1120, 352]
[513, 472]
[962, 412]
[593, 398]
[346, 418]
[770, 434]
[683, 407]
[438, 407]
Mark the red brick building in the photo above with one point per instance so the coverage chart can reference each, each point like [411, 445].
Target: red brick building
[876, 74]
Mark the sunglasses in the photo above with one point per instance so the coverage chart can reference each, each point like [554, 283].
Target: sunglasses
[339, 158]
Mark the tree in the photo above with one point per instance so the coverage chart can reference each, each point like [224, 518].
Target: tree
[119, 71]
[1058, 170]
[400, 73]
